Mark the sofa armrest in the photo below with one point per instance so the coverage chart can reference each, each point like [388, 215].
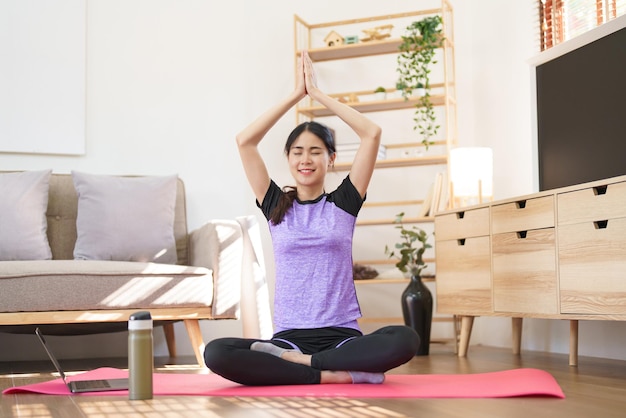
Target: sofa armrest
[218, 245]
[256, 316]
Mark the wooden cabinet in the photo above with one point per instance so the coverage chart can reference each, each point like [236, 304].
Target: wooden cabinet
[558, 254]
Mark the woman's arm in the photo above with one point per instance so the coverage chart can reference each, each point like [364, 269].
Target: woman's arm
[368, 132]
[249, 139]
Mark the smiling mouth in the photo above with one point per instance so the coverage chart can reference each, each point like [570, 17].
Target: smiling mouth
[306, 170]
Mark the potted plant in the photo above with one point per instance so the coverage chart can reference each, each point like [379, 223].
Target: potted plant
[420, 91]
[416, 299]
[410, 250]
[418, 47]
[402, 89]
[380, 93]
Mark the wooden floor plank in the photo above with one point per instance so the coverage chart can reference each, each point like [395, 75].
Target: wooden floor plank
[596, 388]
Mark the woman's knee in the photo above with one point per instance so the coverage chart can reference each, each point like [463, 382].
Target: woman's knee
[405, 338]
[412, 339]
[217, 351]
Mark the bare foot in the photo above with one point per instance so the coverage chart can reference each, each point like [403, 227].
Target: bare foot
[335, 377]
[352, 377]
[297, 357]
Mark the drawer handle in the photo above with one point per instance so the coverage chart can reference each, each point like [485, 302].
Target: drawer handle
[521, 204]
[460, 215]
[461, 242]
[522, 234]
[601, 224]
[599, 190]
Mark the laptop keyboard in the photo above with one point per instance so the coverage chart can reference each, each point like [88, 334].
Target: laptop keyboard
[91, 384]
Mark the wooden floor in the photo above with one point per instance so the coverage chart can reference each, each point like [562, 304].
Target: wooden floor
[596, 388]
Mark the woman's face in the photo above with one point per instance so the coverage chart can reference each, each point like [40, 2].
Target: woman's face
[309, 160]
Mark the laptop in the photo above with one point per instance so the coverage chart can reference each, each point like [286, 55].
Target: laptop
[99, 385]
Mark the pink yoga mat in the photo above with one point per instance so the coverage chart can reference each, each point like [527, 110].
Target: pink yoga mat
[503, 384]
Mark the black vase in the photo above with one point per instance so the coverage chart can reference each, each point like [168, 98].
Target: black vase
[417, 309]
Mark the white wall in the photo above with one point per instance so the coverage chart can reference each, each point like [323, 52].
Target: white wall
[170, 82]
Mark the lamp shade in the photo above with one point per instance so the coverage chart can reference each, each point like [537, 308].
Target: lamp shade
[471, 173]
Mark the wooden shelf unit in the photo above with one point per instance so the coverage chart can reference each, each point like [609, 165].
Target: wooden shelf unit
[442, 97]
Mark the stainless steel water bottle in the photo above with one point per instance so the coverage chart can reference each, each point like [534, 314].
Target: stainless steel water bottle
[140, 356]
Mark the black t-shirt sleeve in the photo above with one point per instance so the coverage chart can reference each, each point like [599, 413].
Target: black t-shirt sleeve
[270, 201]
[347, 197]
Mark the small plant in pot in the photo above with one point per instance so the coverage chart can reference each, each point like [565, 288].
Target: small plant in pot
[380, 93]
[418, 47]
[420, 91]
[402, 89]
[416, 299]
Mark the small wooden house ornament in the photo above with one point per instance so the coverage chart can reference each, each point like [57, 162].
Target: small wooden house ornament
[333, 39]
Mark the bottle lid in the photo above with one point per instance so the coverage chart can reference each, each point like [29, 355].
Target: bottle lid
[140, 320]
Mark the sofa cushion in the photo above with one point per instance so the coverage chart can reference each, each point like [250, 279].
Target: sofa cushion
[23, 203]
[93, 285]
[125, 218]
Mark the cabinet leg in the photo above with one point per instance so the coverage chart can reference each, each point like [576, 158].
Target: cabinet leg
[466, 332]
[456, 321]
[573, 343]
[516, 324]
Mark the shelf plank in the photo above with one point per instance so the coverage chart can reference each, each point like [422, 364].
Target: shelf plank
[400, 162]
[393, 261]
[397, 319]
[396, 103]
[358, 50]
[391, 281]
[370, 222]
[381, 281]
[361, 49]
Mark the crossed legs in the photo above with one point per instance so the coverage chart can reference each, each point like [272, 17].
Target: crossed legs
[361, 360]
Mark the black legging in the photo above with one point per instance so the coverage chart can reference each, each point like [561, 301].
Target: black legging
[378, 352]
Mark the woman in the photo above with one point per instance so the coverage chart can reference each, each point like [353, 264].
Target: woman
[317, 337]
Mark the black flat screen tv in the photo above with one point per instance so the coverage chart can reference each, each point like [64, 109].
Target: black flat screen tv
[581, 108]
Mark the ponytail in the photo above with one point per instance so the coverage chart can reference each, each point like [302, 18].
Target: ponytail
[284, 204]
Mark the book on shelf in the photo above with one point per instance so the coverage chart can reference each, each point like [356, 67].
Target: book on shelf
[434, 204]
[425, 207]
[435, 197]
[444, 195]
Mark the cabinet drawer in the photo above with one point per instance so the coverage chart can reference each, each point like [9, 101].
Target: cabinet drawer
[462, 224]
[524, 272]
[592, 261]
[592, 204]
[523, 215]
[464, 276]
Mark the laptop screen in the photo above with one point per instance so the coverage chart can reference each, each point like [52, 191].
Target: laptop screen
[52, 358]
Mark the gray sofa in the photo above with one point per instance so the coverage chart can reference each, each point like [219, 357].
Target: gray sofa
[91, 296]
